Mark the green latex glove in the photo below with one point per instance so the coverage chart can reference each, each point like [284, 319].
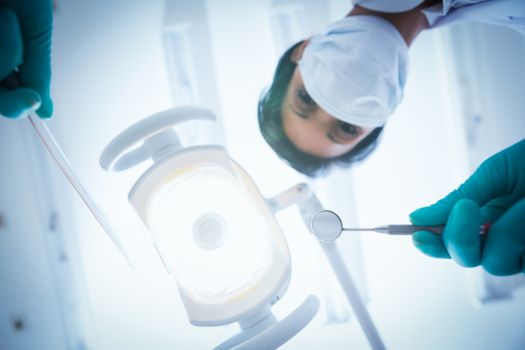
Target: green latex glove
[25, 44]
[495, 193]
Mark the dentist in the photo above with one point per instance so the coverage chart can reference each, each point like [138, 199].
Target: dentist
[332, 94]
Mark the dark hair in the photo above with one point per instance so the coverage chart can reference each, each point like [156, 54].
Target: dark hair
[270, 123]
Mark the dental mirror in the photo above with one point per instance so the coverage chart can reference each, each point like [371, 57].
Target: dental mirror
[327, 226]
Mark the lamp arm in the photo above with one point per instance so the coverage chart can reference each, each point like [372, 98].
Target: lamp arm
[333, 255]
[308, 204]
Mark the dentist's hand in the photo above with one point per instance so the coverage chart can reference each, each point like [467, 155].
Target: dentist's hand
[495, 193]
[25, 44]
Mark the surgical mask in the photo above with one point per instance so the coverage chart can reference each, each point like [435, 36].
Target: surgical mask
[356, 71]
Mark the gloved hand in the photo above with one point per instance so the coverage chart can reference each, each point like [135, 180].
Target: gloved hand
[25, 43]
[495, 193]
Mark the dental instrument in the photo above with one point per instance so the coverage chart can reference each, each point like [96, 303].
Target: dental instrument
[328, 226]
[309, 205]
[12, 82]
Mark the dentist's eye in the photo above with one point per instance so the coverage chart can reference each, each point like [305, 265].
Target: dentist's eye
[305, 99]
[348, 128]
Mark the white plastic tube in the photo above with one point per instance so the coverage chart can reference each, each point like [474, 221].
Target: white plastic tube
[56, 152]
[345, 280]
[309, 205]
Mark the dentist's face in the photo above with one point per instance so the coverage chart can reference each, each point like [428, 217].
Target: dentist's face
[311, 129]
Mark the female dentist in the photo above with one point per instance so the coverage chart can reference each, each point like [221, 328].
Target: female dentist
[332, 94]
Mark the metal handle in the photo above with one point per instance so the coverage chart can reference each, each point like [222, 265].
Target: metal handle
[409, 229]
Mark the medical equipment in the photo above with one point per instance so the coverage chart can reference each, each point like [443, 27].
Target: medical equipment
[328, 226]
[12, 82]
[212, 228]
[309, 205]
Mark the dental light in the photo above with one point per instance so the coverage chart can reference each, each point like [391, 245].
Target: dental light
[213, 230]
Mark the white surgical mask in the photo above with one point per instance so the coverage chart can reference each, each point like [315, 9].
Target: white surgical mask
[356, 70]
[395, 6]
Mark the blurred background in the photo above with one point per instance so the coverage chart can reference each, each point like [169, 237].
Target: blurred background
[63, 285]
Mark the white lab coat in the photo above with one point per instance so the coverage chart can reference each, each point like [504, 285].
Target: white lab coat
[509, 13]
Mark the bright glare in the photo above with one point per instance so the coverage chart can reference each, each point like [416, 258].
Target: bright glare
[210, 275]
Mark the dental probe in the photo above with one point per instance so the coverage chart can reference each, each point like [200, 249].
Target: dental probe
[327, 226]
[12, 82]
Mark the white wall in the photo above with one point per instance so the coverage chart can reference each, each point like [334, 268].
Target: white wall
[33, 256]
